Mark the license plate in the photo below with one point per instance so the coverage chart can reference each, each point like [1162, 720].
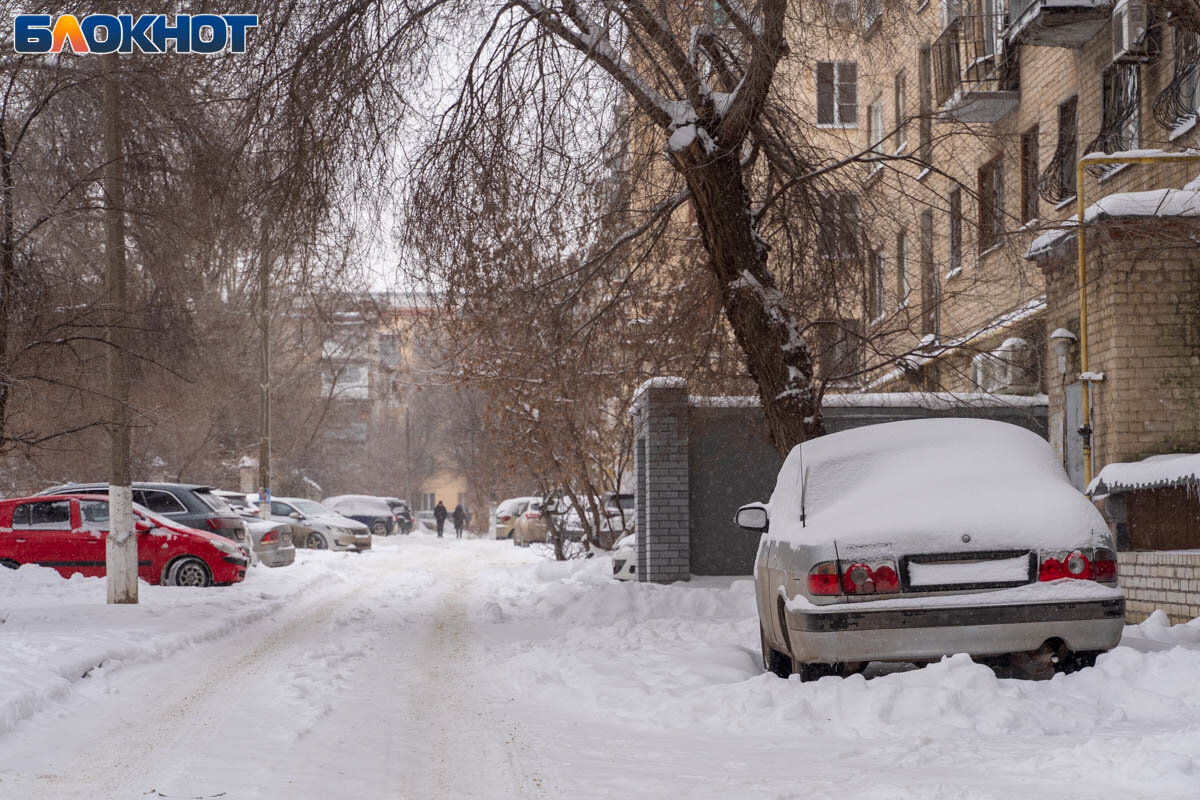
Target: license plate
[958, 573]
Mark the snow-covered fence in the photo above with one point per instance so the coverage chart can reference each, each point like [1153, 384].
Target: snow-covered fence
[698, 458]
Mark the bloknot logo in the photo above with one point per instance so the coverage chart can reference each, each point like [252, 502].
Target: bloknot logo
[205, 34]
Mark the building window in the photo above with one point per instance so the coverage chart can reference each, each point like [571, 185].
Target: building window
[875, 134]
[838, 226]
[901, 106]
[1029, 175]
[902, 287]
[1057, 182]
[837, 93]
[930, 291]
[991, 204]
[1121, 115]
[840, 348]
[956, 232]
[925, 88]
[876, 285]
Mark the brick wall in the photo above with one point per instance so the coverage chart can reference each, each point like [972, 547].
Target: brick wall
[1144, 335]
[1168, 580]
[660, 410]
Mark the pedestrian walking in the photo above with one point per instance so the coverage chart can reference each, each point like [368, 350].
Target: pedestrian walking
[460, 516]
[439, 516]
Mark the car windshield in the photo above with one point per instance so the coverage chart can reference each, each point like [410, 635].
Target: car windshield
[310, 508]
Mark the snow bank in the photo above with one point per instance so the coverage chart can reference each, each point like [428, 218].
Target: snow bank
[1172, 469]
[57, 631]
[673, 673]
[1153, 203]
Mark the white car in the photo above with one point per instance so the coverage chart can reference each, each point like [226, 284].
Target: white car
[908, 541]
[624, 558]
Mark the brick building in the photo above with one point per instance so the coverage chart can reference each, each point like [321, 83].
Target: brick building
[971, 116]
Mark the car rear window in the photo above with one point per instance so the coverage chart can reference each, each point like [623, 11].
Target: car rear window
[213, 501]
[159, 501]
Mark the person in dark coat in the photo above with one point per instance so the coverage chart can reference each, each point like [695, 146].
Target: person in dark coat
[439, 516]
[460, 516]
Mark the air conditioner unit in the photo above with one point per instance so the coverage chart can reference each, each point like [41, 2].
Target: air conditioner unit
[951, 10]
[1130, 31]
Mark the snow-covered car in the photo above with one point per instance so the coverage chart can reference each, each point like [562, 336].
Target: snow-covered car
[372, 511]
[908, 541]
[507, 513]
[319, 528]
[529, 526]
[624, 558]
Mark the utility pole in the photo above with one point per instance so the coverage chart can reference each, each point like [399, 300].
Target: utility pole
[120, 550]
[264, 379]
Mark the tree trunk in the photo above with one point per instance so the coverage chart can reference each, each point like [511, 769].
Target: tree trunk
[8, 273]
[777, 356]
[121, 546]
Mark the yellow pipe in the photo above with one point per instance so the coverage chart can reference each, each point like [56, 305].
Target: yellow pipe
[1085, 405]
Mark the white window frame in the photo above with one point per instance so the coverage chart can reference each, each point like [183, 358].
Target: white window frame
[837, 88]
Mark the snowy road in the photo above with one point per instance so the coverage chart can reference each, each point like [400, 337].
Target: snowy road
[445, 669]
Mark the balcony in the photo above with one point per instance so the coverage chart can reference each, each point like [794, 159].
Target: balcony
[1175, 108]
[975, 76]
[1057, 23]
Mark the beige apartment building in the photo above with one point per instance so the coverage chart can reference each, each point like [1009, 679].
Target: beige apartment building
[967, 119]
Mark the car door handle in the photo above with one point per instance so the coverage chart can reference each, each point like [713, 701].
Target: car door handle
[20, 541]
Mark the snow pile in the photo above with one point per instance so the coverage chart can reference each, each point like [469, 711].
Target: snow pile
[1171, 469]
[673, 673]
[359, 505]
[58, 631]
[878, 481]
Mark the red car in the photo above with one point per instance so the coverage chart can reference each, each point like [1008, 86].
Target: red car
[67, 532]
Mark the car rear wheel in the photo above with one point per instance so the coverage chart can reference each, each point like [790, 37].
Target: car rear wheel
[315, 541]
[8, 562]
[378, 528]
[189, 571]
[774, 661]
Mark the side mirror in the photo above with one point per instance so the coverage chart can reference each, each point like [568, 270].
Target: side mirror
[295, 515]
[753, 517]
[142, 526]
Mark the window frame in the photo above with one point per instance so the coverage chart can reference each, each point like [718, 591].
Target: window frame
[903, 287]
[990, 230]
[1030, 169]
[900, 108]
[836, 88]
[954, 237]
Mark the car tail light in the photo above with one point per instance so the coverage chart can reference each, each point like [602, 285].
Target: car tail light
[1104, 566]
[505, 517]
[873, 577]
[270, 537]
[823, 579]
[230, 528]
[1079, 565]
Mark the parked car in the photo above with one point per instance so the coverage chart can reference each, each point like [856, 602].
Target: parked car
[191, 505]
[270, 540]
[319, 528]
[908, 541]
[402, 513]
[369, 510]
[624, 558]
[506, 515]
[530, 527]
[68, 532]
